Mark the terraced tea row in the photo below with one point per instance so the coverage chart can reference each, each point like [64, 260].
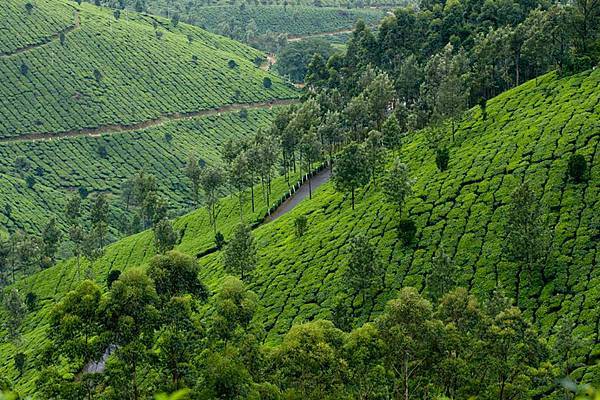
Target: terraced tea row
[529, 134]
[102, 164]
[67, 86]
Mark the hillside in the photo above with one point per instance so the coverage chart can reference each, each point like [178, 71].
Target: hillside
[529, 134]
[113, 117]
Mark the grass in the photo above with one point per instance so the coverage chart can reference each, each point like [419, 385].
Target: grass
[529, 133]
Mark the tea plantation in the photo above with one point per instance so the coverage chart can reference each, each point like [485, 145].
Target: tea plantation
[296, 20]
[529, 134]
[102, 164]
[66, 85]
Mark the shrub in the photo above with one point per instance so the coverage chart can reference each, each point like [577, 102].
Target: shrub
[267, 83]
[29, 7]
[219, 240]
[232, 64]
[31, 301]
[30, 180]
[20, 359]
[24, 69]
[97, 75]
[83, 192]
[407, 230]
[243, 113]
[442, 156]
[577, 168]
[112, 276]
[168, 137]
[101, 150]
[301, 224]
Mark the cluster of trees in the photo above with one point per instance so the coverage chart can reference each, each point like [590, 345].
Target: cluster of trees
[456, 347]
[23, 254]
[447, 56]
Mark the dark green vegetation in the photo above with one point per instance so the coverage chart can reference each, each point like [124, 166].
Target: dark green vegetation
[453, 253]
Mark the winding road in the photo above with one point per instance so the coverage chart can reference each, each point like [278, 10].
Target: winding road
[300, 194]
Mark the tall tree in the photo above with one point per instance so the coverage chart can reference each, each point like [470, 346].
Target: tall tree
[351, 169]
[51, 236]
[310, 150]
[526, 231]
[239, 177]
[211, 181]
[165, 237]
[397, 185]
[375, 152]
[240, 253]
[16, 310]
[99, 216]
[442, 278]
[193, 173]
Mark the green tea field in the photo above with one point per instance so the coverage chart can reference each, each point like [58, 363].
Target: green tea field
[529, 134]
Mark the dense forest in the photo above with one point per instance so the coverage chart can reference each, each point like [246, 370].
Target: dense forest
[419, 221]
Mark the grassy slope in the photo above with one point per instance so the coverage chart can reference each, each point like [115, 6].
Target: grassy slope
[74, 162]
[153, 78]
[530, 132]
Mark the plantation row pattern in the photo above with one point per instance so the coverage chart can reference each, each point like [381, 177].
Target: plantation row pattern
[61, 87]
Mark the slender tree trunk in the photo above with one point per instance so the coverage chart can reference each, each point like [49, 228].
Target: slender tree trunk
[406, 391]
[353, 198]
[252, 193]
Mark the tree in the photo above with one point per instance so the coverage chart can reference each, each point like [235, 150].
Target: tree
[239, 177]
[397, 185]
[375, 152]
[176, 274]
[310, 150]
[16, 310]
[99, 215]
[51, 236]
[28, 7]
[294, 60]
[300, 225]
[442, 157]
[410, 336]
[234, 308]
[165, 237]
[194, 174]
[19, 360]
[525, 231]
[351, 169]
[211, 181]
[392, 134]
[442, 278]
[131, 316]
[267, 82]
[240, 254]
[364, 267]
[76, 323]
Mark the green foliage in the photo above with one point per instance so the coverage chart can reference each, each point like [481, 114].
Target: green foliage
[165, 238]
[300, 225]
[175, 274]
[577, 168]
[407, 230]
[397, 185]
[294, 59]
[442, 157]
[351, 169]
[15, 309]
[364, 266]
[240, 252]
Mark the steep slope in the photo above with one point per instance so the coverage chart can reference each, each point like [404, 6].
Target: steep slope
[529, 133]
[113, 87]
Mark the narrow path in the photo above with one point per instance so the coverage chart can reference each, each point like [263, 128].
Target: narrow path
[301, 194]
[46, 40]
[270, 61]
[116, 128]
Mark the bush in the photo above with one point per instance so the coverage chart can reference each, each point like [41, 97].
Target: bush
[301, 224]
[407, 230]
[112, 276]
[24, 69]
[219, 240]
[577, 168]
[267, 83]
[232, 64]
[442, 156]
[243, 113]
[31, 301]
[30, 180]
